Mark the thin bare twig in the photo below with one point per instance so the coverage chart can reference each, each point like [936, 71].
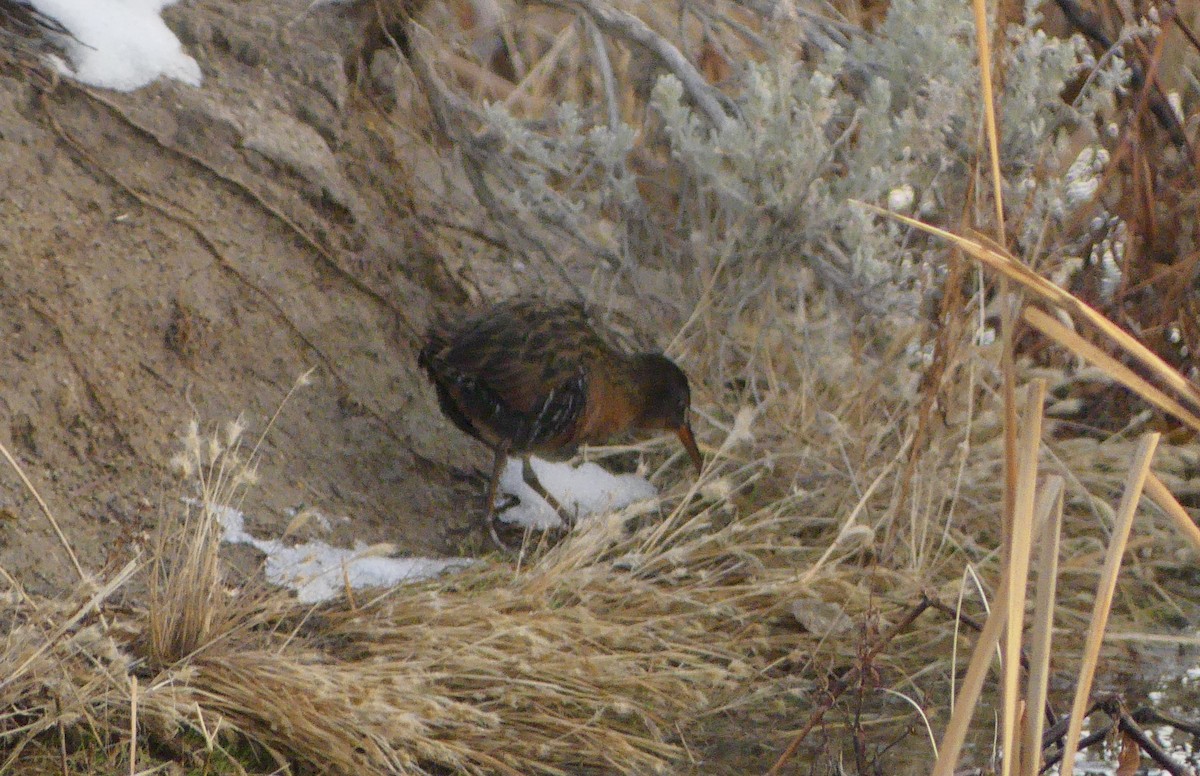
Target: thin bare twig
[1130, 727]
[1147, 716]
[62, 538]
[604, 65]
[449, 110]
[1130, 724]
[626, 25]
[1086, 22]
[847, 680]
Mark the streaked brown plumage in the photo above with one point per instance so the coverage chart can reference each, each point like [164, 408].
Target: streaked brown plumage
[529, 375]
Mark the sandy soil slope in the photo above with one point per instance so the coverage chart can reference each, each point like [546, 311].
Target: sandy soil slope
[180, 252]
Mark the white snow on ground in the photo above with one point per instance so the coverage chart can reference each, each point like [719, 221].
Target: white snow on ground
[319, 572]
[584, 490]
[119, 44]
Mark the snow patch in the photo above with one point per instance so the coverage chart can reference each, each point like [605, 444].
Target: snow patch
[119, 44]
[319, 572]
[584, 490]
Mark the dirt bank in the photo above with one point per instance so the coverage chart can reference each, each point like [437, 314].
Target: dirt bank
[180, 252]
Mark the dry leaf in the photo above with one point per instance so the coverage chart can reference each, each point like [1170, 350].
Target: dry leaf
[1130, 757]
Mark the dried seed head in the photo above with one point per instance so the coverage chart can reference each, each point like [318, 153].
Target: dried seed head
[233, 431]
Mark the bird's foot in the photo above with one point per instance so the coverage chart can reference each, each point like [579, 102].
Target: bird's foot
[569, 518]
[500, 543]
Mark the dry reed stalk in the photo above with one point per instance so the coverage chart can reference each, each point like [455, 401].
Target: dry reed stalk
[1134, 483]
[488, 86]
[1017, 571]
[1174, 639]
[133, 723]
[1113, 368]
[1050, 514]
[983, 41]
[1007, 302]
[1000, 261]
[1161, 495]
[972, 685]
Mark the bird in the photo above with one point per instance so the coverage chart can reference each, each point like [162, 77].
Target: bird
[530, 375]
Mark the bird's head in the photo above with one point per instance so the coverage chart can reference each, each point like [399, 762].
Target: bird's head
[666, 400]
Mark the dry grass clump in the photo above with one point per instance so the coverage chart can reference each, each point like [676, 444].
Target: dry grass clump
[597, 654]
[188, 606]
[62, 664]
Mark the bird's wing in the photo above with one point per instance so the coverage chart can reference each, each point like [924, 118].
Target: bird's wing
[519, 373]
[524, 350]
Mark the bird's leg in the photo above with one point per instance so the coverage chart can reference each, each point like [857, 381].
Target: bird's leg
[501, 455]
[530, 477]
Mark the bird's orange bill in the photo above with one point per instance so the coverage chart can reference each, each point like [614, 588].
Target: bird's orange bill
[689, 444]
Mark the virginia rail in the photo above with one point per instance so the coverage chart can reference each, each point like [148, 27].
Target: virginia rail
[529, 375]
